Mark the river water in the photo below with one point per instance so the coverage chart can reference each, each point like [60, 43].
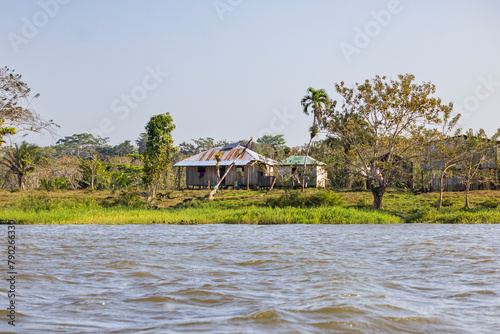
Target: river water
[255, 279]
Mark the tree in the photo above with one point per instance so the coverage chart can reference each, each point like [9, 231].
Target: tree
[277, 141]
[270, 146]
[21, 160]
[212, 193]
[7, 130]
[15, 113]
[477, 152]
[390, 122]
[159, 151]
[340, 127]
[83, 145]
[442, 153]
[316, 102]
[93, 171]
[187, 149]
[199, 145]
[141, 142]
[120, 150]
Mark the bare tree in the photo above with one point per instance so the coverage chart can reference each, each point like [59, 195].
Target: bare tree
[16, 116]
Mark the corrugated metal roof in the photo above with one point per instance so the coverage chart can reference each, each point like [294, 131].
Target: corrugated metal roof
[299, 160]
[227, 157]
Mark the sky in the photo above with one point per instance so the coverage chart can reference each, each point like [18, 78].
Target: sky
[235, 69]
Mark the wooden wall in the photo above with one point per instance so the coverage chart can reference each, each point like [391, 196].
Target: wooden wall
[317, 174]
[249, 176]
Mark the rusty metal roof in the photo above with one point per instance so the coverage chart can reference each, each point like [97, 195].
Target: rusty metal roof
[227, 157]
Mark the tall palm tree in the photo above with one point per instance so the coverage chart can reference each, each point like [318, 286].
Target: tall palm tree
[315, 102]
[22, 160]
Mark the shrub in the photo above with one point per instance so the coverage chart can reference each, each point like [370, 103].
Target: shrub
[296, 199]
[363, 203]
[128, 199]
[37, 203]
[447, 202]
[56, 183]
[491, 203]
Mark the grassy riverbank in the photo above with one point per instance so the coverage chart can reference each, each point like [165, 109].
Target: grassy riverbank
[236, 207]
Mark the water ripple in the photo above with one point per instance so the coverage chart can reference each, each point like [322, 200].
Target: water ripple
[257, 279]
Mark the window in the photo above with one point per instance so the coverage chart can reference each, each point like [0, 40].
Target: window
[201, 169]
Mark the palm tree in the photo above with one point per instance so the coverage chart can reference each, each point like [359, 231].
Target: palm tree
[22, 160]
[316, 101]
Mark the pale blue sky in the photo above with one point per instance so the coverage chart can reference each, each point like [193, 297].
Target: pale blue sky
[238, 68]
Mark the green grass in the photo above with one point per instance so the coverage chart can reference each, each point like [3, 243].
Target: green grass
[232, 207]
[246, 215]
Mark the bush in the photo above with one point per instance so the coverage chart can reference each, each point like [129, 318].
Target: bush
[491, 203]
[37, 203]
[447, 202]
[129, 199]
[56, 183]
[296, 199]
[363, 203]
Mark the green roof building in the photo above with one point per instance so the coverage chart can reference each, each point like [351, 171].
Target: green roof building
[316, 175]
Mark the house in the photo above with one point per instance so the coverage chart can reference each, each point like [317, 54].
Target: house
[250, 169]
[316, 175]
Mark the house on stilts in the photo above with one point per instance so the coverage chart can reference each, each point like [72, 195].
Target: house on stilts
[250, 170]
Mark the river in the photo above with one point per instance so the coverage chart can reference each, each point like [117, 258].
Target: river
[406, 278]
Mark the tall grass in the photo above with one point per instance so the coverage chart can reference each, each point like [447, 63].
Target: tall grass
[245, 215]
[316, 207]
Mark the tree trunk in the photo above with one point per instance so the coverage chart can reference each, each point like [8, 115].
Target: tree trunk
[212, 193]
[441, 188]
[153, 188]
[348, 177]
[305, 164]
[467, 190]
[92, 177]
[22, 179]
[378, 195]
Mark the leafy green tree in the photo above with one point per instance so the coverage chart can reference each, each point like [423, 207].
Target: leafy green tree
[199, 145]
[120, 150]
[339, 130]
[21, 160]
[15, 113]
[442, 154]
[7, 130]
[124, 148]
[391, 125]
[477, 152]
[187, 149]
[141, 142]
[83, 145]
[94, 172]
[159, 151]
[277, 141]
[127, 176]
[270, 146]
[316, 102]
